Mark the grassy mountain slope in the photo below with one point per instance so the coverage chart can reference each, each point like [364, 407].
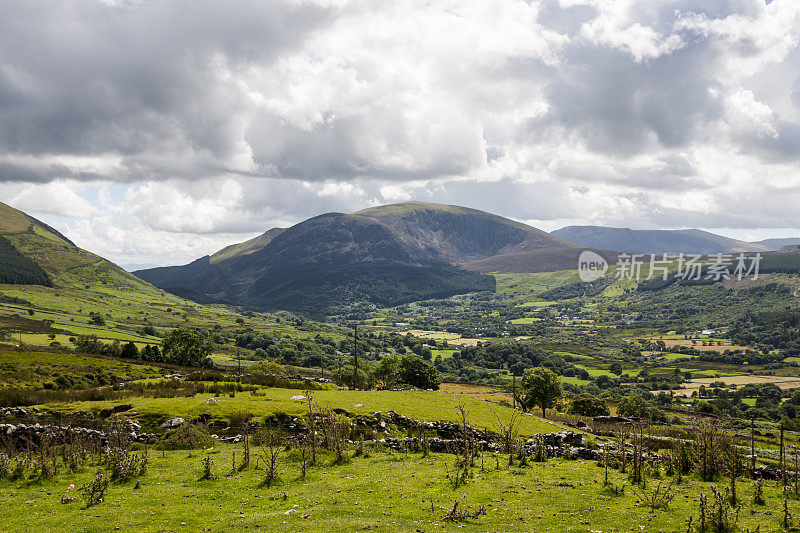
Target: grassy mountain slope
[80, 281]
[247, 247]
[692, 241]
[460, 235]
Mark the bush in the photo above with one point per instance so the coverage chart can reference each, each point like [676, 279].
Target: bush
[94, 492]
[267, 367]
[187, 437]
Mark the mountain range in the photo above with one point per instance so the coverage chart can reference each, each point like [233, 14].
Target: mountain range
[382, 255]
[336, 263]
[690, 241]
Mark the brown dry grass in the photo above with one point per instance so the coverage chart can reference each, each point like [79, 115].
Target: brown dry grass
[482, 392]
[783, 382]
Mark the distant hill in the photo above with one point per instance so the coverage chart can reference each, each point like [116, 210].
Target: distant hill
[777, 244]
[691, 241]
[383, 255]
[790, 249]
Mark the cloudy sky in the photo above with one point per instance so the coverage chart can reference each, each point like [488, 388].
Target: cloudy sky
[157, 132]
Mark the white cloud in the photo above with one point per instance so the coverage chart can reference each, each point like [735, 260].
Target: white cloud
[54, 198]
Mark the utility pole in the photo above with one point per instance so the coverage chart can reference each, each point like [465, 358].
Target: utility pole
[514, 389]
[752, 447]
[783, 464]
[355, 355]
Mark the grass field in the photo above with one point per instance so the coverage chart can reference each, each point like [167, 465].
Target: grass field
[444, 354]
[437, 335]
[420, 405]
[524, 320]
[525, 287]
[32, 370]
[482, 392]
[385, 492]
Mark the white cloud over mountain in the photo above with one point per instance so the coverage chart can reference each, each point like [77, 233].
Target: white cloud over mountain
[214, 121]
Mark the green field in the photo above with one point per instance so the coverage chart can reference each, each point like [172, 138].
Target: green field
[34, 370]
[385, 492]
[420, 405]
[525, 287]
[526, 320]
[444, 354]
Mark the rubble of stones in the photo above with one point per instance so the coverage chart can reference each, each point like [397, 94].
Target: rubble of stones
[30, 424]
[449, 435]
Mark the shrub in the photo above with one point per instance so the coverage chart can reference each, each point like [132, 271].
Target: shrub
[94, 492]
[125, 465]
[187, 437]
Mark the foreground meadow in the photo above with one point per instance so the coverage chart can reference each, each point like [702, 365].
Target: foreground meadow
[384, 491]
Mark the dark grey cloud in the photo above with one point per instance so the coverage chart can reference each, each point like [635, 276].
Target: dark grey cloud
[85, 78]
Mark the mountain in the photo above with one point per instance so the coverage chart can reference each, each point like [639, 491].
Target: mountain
[44, 268]
[383, 255]
[777, 244]
[691, 241]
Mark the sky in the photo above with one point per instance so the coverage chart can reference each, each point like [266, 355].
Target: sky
[153, 133]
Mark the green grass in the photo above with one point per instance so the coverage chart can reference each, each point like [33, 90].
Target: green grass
[527, 286]
[574, 381]
[420, 405]
[386, 492]
[526, 320]
[543, 303]
[594, 372]
[32, 370]
[105, 333]
[444, 354]
[674, 356]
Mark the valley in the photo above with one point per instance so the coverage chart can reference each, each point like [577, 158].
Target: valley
[421, 408]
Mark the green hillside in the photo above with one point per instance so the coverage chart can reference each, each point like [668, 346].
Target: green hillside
[75, 281]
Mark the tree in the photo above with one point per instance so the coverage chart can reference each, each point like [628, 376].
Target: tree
[588, 405]
[387, 371]
[540, 387]
[151, 353]
[267, 367]
[419, 373]
[186, 348]
[130, 351]
[615, 368]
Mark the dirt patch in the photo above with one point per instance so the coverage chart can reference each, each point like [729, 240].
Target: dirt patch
[784, 382]
[465, 342]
